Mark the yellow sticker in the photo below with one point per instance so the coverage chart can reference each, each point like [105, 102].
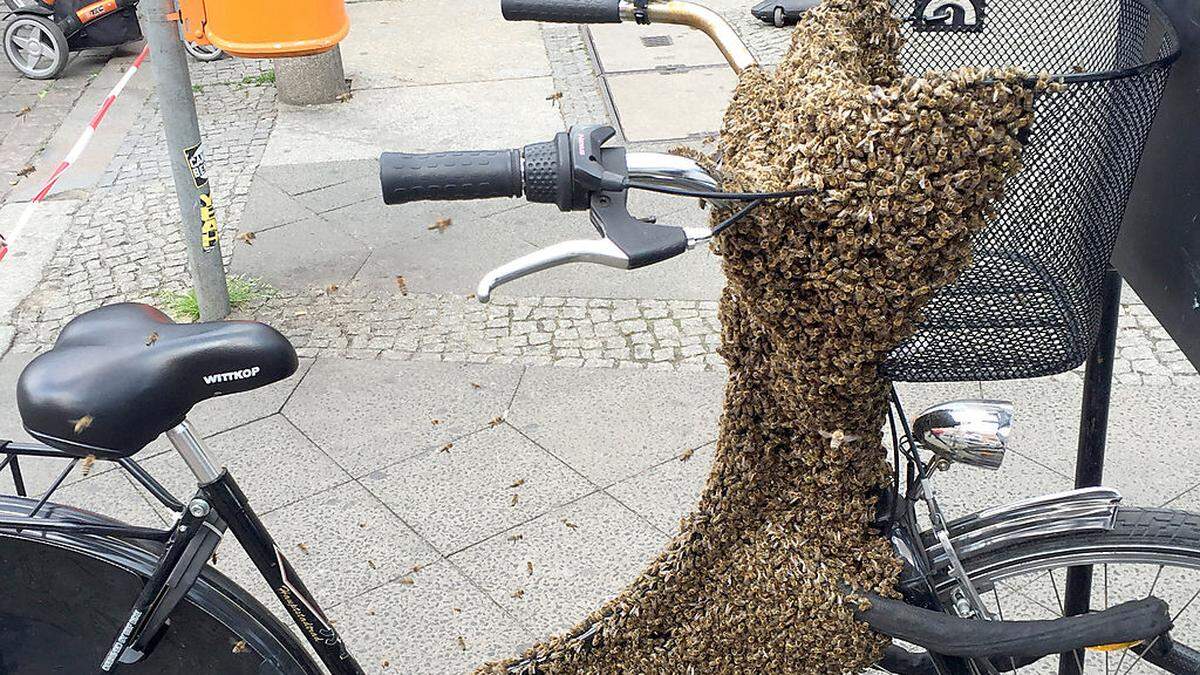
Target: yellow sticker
[209, 235]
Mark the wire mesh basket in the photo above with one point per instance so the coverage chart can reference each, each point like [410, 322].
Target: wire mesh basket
[1028, 305]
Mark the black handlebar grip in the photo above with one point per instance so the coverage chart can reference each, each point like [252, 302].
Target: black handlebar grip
[437, 176]
[562, 11]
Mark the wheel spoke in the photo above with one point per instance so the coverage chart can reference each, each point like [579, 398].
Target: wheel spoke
[1000, 613]
[1063, 612]
[31, 59]
[1150, 646]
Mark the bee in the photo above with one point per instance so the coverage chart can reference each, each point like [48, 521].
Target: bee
[81, 424]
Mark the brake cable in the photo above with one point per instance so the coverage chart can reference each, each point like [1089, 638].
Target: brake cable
[709, 194]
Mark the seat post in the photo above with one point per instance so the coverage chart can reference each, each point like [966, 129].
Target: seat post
[191, 447]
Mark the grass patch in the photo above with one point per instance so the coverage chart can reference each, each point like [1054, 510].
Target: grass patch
[264, 78]
[182, 306]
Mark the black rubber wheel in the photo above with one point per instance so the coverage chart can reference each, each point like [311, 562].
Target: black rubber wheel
[65, 598]
[1148, 552]
[36, 47]
[780, 19]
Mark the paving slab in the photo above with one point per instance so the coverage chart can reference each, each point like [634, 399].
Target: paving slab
[486, 47]
[581, 554]
[310, 253]
[487, 234]
[665, 493]
[268, 206]
[671, 105]
[430, 118]
[611, 424]
[630, 47]
[439, 624]
[343, 542]
[298, 179]
[31, 249]
[339, 407]
[486, 483]
[273, 462]
[1153, 434]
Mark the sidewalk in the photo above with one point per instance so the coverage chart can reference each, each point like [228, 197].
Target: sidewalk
[453, 480]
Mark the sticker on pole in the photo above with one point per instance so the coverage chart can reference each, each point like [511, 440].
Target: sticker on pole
[195, 161]
[209, 234]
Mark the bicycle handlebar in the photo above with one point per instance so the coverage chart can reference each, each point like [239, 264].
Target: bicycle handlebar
[476, 174]
[562, 11]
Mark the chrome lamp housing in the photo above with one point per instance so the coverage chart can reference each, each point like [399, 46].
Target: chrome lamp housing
[971, 431]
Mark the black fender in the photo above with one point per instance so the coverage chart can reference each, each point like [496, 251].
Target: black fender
[213, 593]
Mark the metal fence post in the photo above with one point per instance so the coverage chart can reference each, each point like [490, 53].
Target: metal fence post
[173, 86]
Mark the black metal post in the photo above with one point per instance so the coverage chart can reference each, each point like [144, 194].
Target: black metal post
[1093, 434]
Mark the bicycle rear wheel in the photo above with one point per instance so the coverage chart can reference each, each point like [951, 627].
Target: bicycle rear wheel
[1148, 552]
[66, 598]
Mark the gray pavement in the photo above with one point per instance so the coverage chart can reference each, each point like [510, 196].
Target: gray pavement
[455, 480]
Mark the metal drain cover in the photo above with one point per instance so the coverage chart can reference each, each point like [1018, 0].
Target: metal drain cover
[657, 41]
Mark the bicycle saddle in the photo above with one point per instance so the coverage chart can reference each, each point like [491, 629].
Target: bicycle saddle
[121, 375]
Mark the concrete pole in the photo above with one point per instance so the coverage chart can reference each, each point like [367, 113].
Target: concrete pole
[173, 86]
[306, 80]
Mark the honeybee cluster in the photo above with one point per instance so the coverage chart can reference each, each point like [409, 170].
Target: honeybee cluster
[819, 289]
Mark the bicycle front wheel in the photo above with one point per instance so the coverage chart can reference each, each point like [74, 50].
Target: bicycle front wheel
[1148, 552]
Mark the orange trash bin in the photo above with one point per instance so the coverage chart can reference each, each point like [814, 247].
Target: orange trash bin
[266, 28]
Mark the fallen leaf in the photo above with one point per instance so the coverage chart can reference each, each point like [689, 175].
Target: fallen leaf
[435, 422]
[441, 224]
[515, 497]
[385, 664]
[456, 610]
[446, 447]
[407, 581]
[516, 537]
[361, 524]
[24, 111]
[519, 482]
[462, 643]
[239, 647]
[26, 170]
[496, 421]
[471, 296]
[303, 547]
[214, 557]
[82, 423]
[519, 593]
[87, 464]
[151, 338]
[529, 567]
[342, 98]
[247, 237]
[569, 524]
[402, 284]
[331, 289]
[371, 564]
[476, 386]
[686, 455]
[416, 568]
[555, 96]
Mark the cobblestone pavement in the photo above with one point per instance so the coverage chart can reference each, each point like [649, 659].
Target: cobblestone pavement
[678, 335]
[124, 243]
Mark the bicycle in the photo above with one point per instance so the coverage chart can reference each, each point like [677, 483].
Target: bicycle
[153, 604]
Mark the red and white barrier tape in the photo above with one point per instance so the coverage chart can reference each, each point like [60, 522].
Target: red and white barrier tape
[76, 151]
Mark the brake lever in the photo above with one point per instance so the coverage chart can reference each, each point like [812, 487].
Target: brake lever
[626, 242]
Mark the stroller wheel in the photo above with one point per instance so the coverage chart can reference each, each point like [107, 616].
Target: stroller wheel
[203, 52]
[35, 46]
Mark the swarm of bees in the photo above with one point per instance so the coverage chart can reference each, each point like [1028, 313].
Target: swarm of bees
[819, 290]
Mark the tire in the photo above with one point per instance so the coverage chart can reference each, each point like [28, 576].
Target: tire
[1148, 550]
[66, 597]
[36, 47]
[780, 19]
[204, 53]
